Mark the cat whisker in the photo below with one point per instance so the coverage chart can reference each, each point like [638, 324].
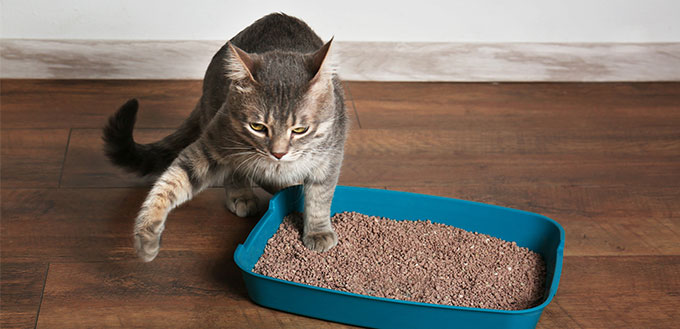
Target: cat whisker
[253, 170]
[245, 161]
[248, 168]
[238, 154]
[235, 148]
[236, 142]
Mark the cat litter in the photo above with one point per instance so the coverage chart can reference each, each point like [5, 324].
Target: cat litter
[417, 261]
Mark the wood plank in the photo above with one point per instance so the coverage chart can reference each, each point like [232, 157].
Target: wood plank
[21, 291]
[542, 92]
[517, 106]
[611, 144]
[598, 221]
[618, 292]
[89, 103]
[506, 170]
[166, 293]
[32, 157]
[468, 157]
[86, 225]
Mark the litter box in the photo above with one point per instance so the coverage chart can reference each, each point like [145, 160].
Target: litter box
[536, 232]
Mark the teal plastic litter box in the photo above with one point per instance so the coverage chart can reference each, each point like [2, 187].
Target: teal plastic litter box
[536, 232]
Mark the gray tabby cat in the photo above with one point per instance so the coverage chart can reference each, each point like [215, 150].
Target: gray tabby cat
[272, 113]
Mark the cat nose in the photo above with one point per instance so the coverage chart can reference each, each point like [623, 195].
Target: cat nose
[278, 155]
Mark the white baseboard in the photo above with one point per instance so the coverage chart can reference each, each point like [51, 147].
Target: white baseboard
[364, 61]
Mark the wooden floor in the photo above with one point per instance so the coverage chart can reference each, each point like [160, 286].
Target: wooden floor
[601, 159]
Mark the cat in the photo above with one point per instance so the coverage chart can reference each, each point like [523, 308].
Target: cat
[272, 113]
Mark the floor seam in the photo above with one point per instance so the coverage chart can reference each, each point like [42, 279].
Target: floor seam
[42, 294]
[354, 106]
[63, 163]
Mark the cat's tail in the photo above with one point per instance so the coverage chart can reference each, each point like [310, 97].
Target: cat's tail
[143, 159]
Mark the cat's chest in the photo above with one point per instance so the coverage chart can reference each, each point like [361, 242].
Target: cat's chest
[285, 174]
[292, 173]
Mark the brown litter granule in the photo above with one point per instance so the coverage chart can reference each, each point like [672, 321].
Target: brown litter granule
[417, 261]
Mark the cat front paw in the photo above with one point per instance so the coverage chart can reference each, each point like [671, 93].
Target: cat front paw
[147, 244]
[320, 241]
[243, 206]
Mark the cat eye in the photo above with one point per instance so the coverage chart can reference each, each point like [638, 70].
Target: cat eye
[258, 127]
[300, 130]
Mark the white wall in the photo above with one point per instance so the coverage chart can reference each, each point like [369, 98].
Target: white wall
[350, 20]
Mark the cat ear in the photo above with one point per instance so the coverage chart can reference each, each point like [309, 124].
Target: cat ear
[240, 64]
[319, 62]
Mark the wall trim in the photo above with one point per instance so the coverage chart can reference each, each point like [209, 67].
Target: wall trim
[362, 61]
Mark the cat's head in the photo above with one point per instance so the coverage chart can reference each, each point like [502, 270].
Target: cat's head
[281, 103]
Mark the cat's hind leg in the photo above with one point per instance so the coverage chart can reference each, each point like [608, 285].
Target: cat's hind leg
[241, 200]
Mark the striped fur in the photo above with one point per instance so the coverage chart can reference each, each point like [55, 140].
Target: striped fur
[272, 74]
[189, 174]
